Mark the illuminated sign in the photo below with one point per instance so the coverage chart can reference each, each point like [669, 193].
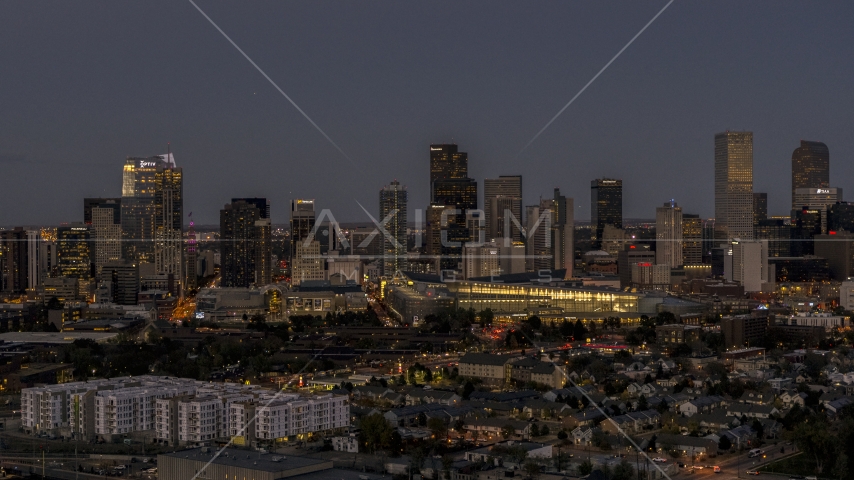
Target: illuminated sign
[147, 164]
[79, 228]
[822, 190]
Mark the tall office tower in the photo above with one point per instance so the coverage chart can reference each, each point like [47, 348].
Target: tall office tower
[841, 217]
[47, 254]
[446, 162]
[190, 270]
[169, 222]
[13, 261]
[760, 207]
[241, 237]
[668, 235]
[734, 185]
[104, 215]
[810, 168]
[138, 208]
[563, 232]
[393, 200]
[692, 239]
[821, 199]
[451, 188]
[302, 222]
[630, 256]
[502, 196]
[806, 224]
[541, 235]
[778, 234]
[263, 252]
[709, 239]
[73, 257]
[34, 251]
[606, 207]
[262, 204]
[123, 277]
[481, 260]
[750, 264]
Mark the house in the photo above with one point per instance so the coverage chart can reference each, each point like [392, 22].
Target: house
[792, 398]
[398, 466]
[741, 436]
[751, 411]
[835, 406]
[636, 390]
[545, 409]
[486, 366]
[780, 384]
[418, 396]
[667, 365]
[559, 394]
[409, 416]
[584, 418]
[499, 450]
[701, 405]
[365, 392]
[582, 435]
[688, 446]
[493, 427]
[758, 398]
[547, 373]
[632, 422]
[348, 444]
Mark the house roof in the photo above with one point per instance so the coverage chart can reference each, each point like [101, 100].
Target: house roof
[485, 359]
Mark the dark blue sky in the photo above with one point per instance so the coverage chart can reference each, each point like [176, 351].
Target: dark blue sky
[84, 84]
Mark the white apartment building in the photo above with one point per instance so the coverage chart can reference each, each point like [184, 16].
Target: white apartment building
[287, 416]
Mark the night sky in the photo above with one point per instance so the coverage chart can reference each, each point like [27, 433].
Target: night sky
[85, 84]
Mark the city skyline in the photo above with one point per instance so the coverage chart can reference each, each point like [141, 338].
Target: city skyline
[245, 129]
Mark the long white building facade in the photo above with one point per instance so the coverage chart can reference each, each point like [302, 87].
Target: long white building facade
[178, 411]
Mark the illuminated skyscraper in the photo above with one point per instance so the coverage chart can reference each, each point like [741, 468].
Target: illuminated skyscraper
[760, 207]
[73, 252]
[13, 261]
[393, 201]
[244, 245]
[138, 206]
[190, 270]
[105, 217]
[452, 189]
[563, 232]
[692, 239]
[810, 168]
[606, 206]
[734, 185]
[302, 226]
[169, 222]
[499, 195]
[668, 235]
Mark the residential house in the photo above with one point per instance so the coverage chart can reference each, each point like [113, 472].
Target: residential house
[493, 427]
[701, 405]
[418, 396]
[750, 410]
[485, 366]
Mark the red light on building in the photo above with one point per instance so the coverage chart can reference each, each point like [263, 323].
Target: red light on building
[832, 232]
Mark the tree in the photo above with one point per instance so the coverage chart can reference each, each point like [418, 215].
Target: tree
[561, 435]
[579, 332]
[545, 430]
[535, 430]
[437, 427]
[468, 389]
[585, 468]
[757, 427]
[840, 468]
[643, 404]
[623, 471]
[535, 322]
[724, 444]
[507, 431]
[486, 317]
[375, 432]
[532, 469]
[814, 439]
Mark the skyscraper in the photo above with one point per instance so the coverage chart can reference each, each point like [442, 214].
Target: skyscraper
[13, 261]
[692, 239]
[500, 195]
[169, 222]
[760, 207]
[606, 207]
[242, 244]
[563, 236]
[138, 206]
[456, 193]
[73, 256]
[302, 227]
[734, 185]
[263, 240]
[668, 235]
[393, 200]
[105, 217]
[810, 168]
[190, 271]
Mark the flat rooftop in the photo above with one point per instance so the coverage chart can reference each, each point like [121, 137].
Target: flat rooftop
[266, 462]
[55, 337]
